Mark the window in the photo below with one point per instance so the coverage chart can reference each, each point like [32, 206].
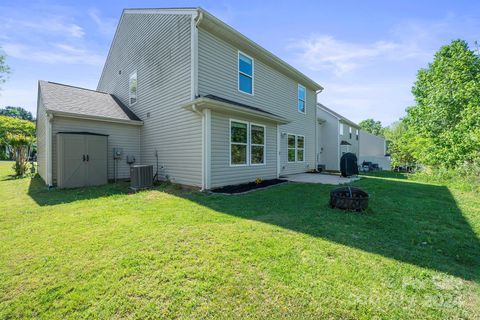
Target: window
[257, 144]
[245, 73]
[341, 129]
[301, 99]
[247, 143]
[133, 87]
[356, 134]
[350, 132]
[238, 143]
[296, 148]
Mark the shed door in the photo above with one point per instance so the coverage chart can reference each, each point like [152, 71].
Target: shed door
[82, 160]
[72, 169]
[96, 150]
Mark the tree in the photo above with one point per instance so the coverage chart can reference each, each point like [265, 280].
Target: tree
[446, 117]
[402, 144]
[16, 112]
[17, 136]
[4, 68]
[372, 126]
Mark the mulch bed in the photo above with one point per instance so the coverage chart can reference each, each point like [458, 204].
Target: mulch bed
[241, 188]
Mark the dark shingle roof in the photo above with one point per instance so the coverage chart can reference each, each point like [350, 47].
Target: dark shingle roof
[69, 99]
[213, 97]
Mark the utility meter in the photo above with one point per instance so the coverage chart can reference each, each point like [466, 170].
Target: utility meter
[117, 153]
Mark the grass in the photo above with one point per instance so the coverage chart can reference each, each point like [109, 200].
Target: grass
[104, 252]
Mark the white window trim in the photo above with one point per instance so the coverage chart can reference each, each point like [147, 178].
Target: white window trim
[264, 145]
[356, 134]
[304, 101]
[296, 148]
[239, 143]
[129, 89]
[350, 133]
[341, 128]
[239, 72]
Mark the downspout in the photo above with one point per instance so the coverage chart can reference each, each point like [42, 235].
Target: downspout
[48, 152]
[316, 133]
[194, 109]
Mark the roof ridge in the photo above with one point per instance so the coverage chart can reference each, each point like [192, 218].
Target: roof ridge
[76, 87]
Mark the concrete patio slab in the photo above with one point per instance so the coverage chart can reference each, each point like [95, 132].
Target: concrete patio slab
[319, 178]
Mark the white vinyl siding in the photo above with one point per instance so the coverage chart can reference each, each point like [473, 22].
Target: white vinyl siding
[158, 46]
[274, 91]
[41, 139]
[123, 136]
[225, 174]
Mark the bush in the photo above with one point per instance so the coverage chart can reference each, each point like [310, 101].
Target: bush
[466, 176]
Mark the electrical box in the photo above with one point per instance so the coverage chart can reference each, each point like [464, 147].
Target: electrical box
[117, 153]
[130, 159]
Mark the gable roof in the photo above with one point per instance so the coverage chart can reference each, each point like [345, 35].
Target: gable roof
[337, 115]
[219, 28]
[67, 100]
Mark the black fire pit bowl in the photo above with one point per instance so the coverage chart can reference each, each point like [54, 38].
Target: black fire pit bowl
[348, 198]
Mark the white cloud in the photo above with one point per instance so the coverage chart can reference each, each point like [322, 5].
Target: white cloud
[324, 52]
[53, 54]
[105, 25]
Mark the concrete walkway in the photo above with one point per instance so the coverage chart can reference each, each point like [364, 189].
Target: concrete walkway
[319, 178]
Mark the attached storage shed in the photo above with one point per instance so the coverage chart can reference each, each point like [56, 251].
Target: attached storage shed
[77, 132]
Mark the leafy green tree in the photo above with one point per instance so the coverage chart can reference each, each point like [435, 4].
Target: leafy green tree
[372, 126]
[445, 122]
[4, 68]
[14, 132]
[402, 144]
[16, 112]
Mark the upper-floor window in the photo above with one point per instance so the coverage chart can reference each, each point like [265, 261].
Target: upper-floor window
[132, 84]
[302, 98]
[350, 132]
[356, 134]
[245, 73]
[341, 129]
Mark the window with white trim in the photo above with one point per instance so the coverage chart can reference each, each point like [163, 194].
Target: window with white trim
[302, 99]
[341, 129]
[245, 73]
[356, 134]
[296, 148]
[257, 144]
[132, 86]
[350, 132]
[247, 143]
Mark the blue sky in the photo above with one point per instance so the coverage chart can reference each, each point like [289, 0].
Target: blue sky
[365, 53]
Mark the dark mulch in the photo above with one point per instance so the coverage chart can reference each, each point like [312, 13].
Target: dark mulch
[239, 188]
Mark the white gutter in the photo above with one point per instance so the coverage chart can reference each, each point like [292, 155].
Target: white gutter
[90, 117]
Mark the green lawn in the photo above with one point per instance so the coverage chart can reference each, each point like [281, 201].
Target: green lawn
[278, 253]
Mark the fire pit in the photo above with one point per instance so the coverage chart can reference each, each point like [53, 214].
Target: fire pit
[348, 198]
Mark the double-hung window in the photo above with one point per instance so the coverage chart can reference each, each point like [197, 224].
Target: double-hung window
[356, 134]
[296, 148]
[245, 73]
[132, 86]
[341, 129]
[350, 132]
[247, 143]
[302, 99]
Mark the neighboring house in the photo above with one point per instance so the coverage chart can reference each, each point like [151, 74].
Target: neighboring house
[336, 135]
[183, 89]
[374, 149]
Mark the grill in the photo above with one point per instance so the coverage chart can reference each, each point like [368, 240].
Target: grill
[348, 198]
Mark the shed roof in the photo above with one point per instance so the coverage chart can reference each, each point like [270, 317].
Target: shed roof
[66, 99]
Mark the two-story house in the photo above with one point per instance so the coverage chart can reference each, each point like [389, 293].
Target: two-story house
[336, 135]
[185, 92]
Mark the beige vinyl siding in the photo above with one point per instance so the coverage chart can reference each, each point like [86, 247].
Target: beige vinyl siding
[158, 47]
[329, 140]
[222, 172]
[123, 136]
[353, 141]
[273, 92]
[41, 139]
